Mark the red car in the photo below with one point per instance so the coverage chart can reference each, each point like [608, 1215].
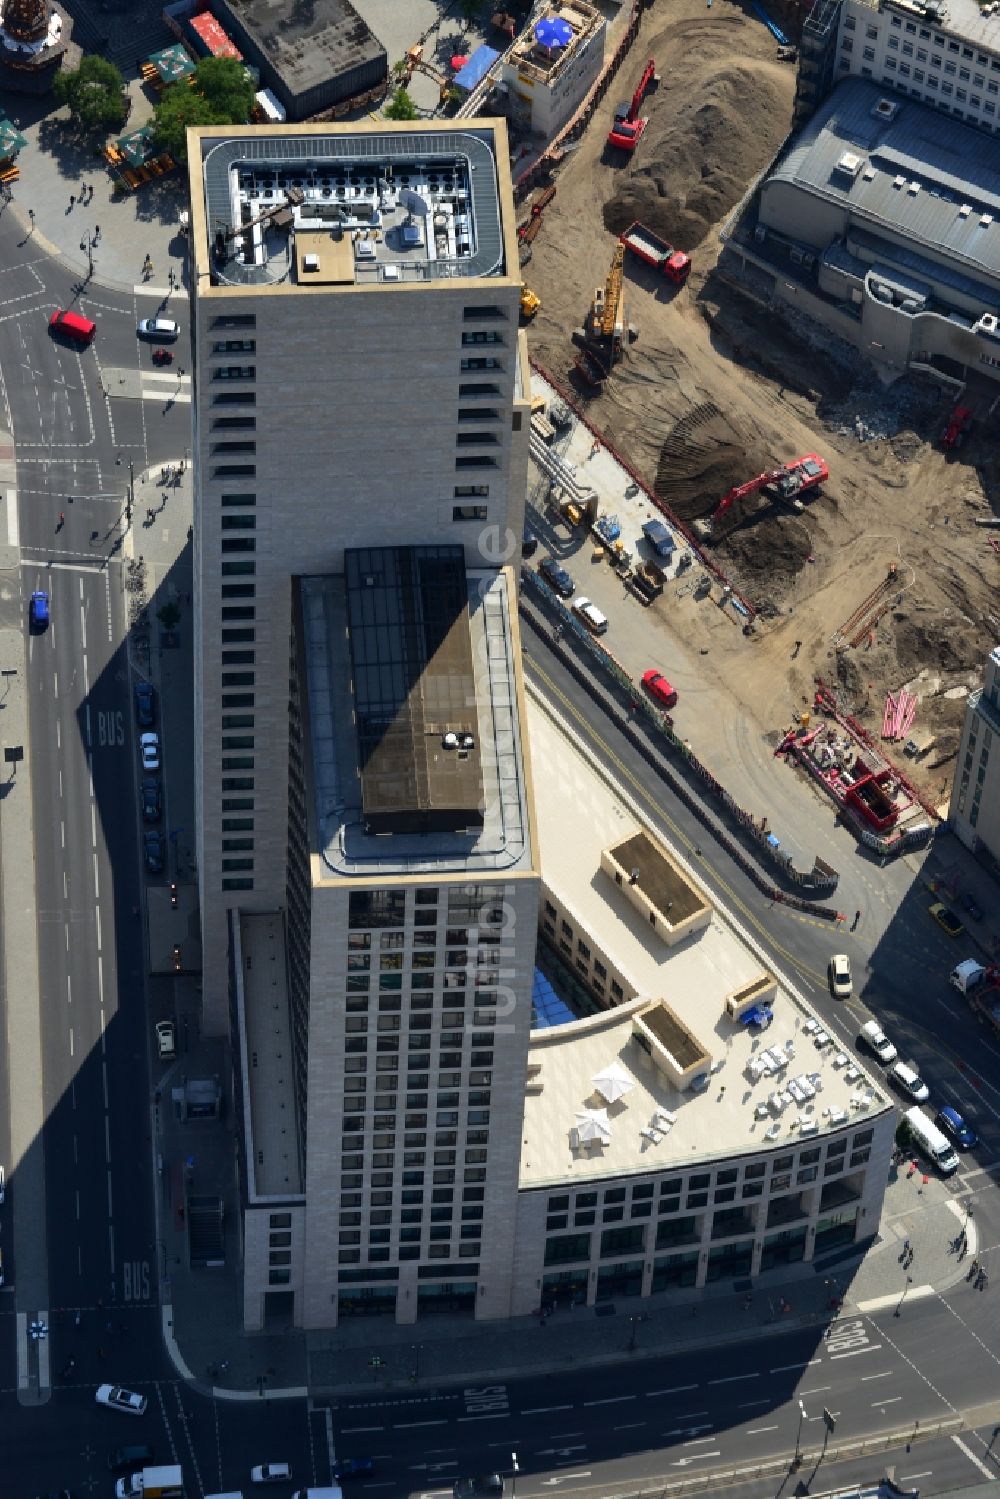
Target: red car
[659, 688]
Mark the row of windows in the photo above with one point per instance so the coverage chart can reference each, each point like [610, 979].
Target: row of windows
[947, 89]
[924, 34]
[406, 1252]
[237, 628]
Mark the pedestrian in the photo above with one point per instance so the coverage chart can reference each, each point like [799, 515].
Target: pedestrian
[72, 199]
[906, 1246]
[857, 918]
[62, 517]
[97, 231]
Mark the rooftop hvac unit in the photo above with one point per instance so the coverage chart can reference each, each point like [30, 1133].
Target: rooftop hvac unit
[885, 109]
[987, 323]
[310, 262]
[760, 233]
[850, 163]
[913, 189]
[985, 221]
[899, 182]
[965, 210]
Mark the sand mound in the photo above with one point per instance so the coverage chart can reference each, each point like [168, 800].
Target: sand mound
[699, 151]
[703, 456]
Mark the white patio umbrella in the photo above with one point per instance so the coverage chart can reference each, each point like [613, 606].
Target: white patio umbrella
[612, 1082]
[592, 1124]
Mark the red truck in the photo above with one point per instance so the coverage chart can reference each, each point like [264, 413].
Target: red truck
[673, 264]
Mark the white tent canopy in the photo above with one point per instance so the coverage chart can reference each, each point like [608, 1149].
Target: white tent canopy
[612, 1082]
[591, 1124]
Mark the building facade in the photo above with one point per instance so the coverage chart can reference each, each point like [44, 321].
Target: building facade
[975, 796]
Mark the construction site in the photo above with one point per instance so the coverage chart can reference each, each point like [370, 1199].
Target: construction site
[842, 510]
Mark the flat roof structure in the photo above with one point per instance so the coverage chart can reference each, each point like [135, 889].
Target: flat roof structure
[728, 1087]
[385, 684]
[899, 167]
[270, 1128]
[307, 47]
[414, 688]
[377, 206]
[538, 61]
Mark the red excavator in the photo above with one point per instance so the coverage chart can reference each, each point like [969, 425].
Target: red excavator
[626, 132]
[786, 484]
[959, 424]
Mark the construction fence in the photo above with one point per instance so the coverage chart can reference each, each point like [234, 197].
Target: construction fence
[821, 878]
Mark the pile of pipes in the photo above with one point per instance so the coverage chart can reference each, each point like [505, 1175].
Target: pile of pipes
[898, 715]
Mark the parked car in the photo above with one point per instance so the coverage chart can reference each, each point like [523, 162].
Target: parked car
[353, 1467]
[529, 543]
[969, 905]
[271, 1473]
[946, 920]
[873, 1038]
[907, 1080]
[38, 610]
[152, 852]
[659, 688]
[162, 329]
[594, 618]
[950, 1122]
[839, 974]
[145, 705]
[149, 745]
[152, 806]
[166, 1040]
[553, 572]
[118, 1399]
[126, 1459]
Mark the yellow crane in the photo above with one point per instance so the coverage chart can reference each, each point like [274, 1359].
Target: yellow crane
[612, 316]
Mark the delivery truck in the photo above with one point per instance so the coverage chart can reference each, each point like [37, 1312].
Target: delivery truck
[152, 1483]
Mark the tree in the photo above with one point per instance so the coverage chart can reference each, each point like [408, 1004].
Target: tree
[169, 616]
[401, 107]
[228, 87]
[94, 94]
[904, 1134]
[180, 107]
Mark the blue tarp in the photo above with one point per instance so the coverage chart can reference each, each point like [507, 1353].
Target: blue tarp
[758, 1015]
[476, 68]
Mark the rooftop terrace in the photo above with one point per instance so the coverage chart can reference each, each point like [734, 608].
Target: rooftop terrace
[718, 1085]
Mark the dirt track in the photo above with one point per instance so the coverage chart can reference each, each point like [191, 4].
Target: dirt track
[716, 389]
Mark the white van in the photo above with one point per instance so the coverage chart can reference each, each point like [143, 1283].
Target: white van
[592, 617]
[931, 1142]
[874, 1039]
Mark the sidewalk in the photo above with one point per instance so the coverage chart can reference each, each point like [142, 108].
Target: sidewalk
[53, 167]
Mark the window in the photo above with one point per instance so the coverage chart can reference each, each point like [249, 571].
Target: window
[965, 75]
[233, 423]
[239, 544]
[237, 499]
[488, 310]
[871, 32]
[468, 512]
[473, 492]
[477, 388]
[235, 346]
[234, 470]
[481, 336]
[870, 54]
[236, 320]
[476, 463]
[235, 398]
[481, 364]
[239, 522]
[478, 414]
[235, 372]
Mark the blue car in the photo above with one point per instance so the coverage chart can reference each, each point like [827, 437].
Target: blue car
[954, 1126]
[38, 610]
[353, 1467]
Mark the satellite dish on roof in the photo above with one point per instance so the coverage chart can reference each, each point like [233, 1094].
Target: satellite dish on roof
[414, 203]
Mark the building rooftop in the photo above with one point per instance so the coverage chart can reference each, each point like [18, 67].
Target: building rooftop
[902, 167]
[306, 43]
[268, 1087]
[964, 18]
[531, 56]
[389, 673]
[414, 688]
[674, 1024]
[349, 205]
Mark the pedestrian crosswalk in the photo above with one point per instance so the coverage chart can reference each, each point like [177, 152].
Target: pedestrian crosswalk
[166, 385]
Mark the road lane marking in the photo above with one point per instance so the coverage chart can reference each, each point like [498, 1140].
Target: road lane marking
[356, 1430]
[677, 1390]
[753, 1431]
[784, 1368]
[610, 1400]
[912, 1477]
[820, 1389]
[700, 1441]
[855, 1351]
[496, 1416]
[749, 1404]
[866, 1377]
[892, 1400]
[973, 1458]
[544, 1410]
[735, 1378]
[409, 1425]
[632, 1426]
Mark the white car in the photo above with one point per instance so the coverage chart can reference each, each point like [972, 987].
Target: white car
[593, 618]
[166, 1040]
[149, 745]
[117, 1399]
[161, 328]
[271, 1473]
[906, 1080]
[839, 972]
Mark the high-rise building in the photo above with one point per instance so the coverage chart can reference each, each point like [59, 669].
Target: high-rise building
[364, 822]
[975, 796]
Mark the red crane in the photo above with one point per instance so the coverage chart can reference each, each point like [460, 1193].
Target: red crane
[626, 132]
[788, 482]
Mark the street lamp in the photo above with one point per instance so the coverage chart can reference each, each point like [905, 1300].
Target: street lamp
[87, 243]
[515, 1470]
[909, 1282]
[798, 1435]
